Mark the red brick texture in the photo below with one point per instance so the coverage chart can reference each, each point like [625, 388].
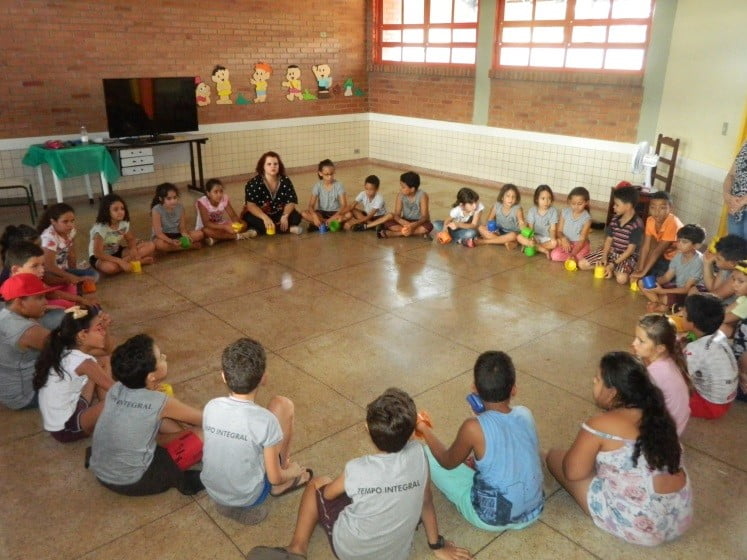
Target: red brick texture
[55, 53]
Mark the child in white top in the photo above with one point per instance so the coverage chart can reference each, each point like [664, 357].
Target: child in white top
[368, 209]
[508, 217]
[464, 218]
[574, 227]
[216, 218]
[68, 375]
[328, 202]
[168, 221]
[656, 344]
[57, 230]
[543, 219]
[113, 248]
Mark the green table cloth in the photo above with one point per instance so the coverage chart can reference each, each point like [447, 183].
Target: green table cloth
[74, 161]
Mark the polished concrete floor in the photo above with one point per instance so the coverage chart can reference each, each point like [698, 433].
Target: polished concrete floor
[362, 315]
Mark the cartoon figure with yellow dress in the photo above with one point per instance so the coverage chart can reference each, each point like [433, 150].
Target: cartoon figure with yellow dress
[262, 72]
[293, 83]
[222, 84]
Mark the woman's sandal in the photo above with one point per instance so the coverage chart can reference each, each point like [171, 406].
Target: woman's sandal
[295, 485]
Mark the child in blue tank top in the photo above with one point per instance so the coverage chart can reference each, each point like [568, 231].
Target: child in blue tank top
[504, 491]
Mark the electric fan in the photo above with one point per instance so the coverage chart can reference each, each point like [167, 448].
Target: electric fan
[644, 160]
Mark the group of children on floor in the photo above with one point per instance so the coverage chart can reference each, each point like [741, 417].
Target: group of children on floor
[622, 466]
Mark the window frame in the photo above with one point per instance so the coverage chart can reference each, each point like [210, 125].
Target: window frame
[568, 24]
[379, 27]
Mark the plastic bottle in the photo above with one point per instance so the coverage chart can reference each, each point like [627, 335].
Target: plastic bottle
[83, 135]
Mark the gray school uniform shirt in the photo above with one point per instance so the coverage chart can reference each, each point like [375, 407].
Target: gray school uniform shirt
[572, 228]
[411, 208]
[16, 364]
[684, 271]
[507, 222]
[169, 220]
[542, 224]
[329, 200]
[124, 440]
[233, 464]
[387, 492]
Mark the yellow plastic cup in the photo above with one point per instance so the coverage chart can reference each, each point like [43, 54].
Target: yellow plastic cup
[270, 231]
[570, 265]
[167, 389]
[634, 285]
[137, 268]
[237, 226]
[599, 271]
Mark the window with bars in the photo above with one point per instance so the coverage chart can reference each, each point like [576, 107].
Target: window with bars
[426, 31]
[602, 35]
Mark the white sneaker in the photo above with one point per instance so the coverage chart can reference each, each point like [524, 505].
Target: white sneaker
[209, 241]
[248, 234]
[297, 230]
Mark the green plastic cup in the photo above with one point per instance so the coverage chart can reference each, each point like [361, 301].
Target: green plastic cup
[334, 225]
[185, 242]
[530, 251]
[527, 232]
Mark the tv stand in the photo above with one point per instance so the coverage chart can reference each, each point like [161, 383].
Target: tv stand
[195, 148]
[161, 138]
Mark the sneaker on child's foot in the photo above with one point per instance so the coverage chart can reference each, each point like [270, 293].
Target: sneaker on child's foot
[296, 230]
[359, 227]
[381, 234]
[248, 234]
[209, 241]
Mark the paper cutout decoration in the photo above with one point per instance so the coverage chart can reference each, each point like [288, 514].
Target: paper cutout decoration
[307, 95]
[222, 84]
[323, 75]
[337, 90]
[241, 100]
[359, 92]
[202, 92]
[348, 85]
[293, 82]
[262, 72]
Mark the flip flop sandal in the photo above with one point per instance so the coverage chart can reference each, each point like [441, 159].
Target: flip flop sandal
[295, 485]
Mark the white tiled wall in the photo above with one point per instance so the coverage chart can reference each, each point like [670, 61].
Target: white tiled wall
[485, 153]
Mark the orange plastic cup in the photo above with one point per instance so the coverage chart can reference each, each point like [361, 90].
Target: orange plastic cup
[88, 286]
[443, 237]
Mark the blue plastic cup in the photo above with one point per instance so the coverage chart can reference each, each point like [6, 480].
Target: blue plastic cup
[492, 226]
[475, 403]
[323, 228]
[649, 282]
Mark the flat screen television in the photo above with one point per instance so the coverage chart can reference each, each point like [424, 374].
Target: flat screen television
[150, 107]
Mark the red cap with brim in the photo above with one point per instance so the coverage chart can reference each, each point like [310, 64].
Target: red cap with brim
[23, 285]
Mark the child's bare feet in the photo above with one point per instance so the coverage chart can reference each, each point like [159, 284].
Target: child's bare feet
[147, 260]
[511, 245]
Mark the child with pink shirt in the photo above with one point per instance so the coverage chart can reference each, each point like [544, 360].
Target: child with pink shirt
[656, 344]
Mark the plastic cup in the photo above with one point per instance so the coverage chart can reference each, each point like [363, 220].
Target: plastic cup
[712, 246]
[679, 322]
[492, 226]
[185, 242]
[599, 271]
[443, 237]
[166, 389]
[270, 230]
[323, 228]
[633, 285]
[649, 282]
[570, 265]
[334, 225]
[137, 268]
[530, 251]
[527, 232]
[88, 286]
[237, 227]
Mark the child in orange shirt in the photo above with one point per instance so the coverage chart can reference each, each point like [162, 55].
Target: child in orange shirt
[659, 244]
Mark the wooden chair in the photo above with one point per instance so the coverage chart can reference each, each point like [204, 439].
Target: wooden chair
[26, 198]
[669, 160]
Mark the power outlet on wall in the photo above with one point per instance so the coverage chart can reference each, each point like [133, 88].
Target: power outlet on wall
[357, 151]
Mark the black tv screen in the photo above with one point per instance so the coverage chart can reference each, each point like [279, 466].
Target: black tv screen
[150, 106]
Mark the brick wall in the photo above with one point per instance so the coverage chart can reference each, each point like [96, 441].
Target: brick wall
[448, 98]
[55, 53]
[608, 111]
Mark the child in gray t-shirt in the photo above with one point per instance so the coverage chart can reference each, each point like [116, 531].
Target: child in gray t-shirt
[246, 450]
[328, 202]
[372, 509]
[685, 274]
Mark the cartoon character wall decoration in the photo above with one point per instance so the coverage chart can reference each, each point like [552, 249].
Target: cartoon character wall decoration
[348, 85]
[202, 92]
[222, 84]
[293, 83]
[262, 72]
[323, 75]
